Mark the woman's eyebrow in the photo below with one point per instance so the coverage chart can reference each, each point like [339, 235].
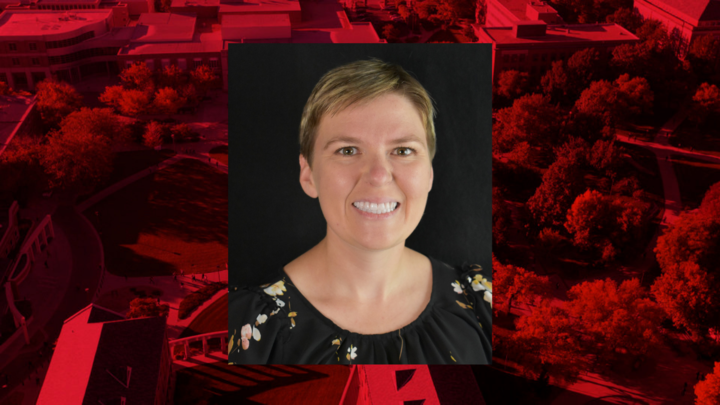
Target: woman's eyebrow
[357, 141]
[408, 138]
[344, 139]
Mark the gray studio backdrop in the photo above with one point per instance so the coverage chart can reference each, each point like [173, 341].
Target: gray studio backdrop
[271, 219]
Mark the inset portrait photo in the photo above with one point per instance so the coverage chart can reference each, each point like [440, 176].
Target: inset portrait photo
[360, 204]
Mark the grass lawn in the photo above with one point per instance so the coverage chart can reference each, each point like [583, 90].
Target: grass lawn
[220, 383]
[128, 163]
[695, 177]
[213, 319]
[174, 219]
[704, 140]
[220, 153]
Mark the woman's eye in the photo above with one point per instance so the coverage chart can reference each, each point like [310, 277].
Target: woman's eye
[347, 151]
[404, 151]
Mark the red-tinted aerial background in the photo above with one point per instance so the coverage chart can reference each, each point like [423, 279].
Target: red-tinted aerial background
[606, 199]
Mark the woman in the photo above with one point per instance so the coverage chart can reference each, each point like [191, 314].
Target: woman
[360, 296]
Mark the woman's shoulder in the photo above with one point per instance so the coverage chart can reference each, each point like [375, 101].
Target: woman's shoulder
[257, 320]
[473, 278]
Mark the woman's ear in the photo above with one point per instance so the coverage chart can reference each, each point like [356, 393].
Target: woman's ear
[432, 177]
[306, 179]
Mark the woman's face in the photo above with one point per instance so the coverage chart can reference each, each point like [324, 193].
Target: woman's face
[371, 172]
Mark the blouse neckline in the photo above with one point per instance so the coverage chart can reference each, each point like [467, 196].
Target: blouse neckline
[345, 333]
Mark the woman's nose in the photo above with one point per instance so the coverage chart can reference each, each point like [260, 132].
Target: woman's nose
[379, 170]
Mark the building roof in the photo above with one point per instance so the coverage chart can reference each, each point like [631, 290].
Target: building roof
[195, 3]
[131, 347]
[258, 6]
[67, 1]
[258, 20]
[44, 22]
[578, 33]
[690, 10]
[164, 27]
[519, 7]
[95, 343]
[206, 42]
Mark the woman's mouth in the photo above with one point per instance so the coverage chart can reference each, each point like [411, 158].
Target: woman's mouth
[376, 208]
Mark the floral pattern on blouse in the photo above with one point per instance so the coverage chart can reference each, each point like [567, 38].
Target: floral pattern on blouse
[352, 353]
[248, 331]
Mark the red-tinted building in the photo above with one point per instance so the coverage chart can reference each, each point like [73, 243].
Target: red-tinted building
[503, 13]
[36, 44]
[411, 385]
[103, 358]
[532, 46]
[685, 20]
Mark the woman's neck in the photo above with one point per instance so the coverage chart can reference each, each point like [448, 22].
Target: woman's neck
[361, 275]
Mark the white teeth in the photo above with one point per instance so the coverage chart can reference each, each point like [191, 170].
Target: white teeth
[375, 208]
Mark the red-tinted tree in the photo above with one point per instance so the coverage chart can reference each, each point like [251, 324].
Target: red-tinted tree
[112, 96]
[598, 100]
[427, 9]
[138, 77]
[532, 119]
[512, 84]
[548, 346]
[146, 307]
[707, 391]
[633, 59]
[172, 76]
[704, 55]
[706, 102]
[203, 78]
[605, 224]
[616, 101]
[390, 32]
[515, 284]
[154, 134]
[627, 18]
[688, 254]
[604, 155]
[555, 83]
[55, 100]
[689, 296]
[561, 183]
[77, 159]
[501, 218]
[100, 121]
[694, 237]
[710, 205]
[615, 317]
[634, 96]
[654, 34]
[583, 67]
[134, 102]
[183, 133]
[168, 101]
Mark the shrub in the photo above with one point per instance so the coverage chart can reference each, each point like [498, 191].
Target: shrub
[197, 298]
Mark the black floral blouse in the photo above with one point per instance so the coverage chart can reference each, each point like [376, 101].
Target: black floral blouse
[274, 323]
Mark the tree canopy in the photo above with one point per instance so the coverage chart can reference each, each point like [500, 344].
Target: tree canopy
[55, 100]
[145, 307]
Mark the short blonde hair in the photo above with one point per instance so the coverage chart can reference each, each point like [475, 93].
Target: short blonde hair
[362, 81]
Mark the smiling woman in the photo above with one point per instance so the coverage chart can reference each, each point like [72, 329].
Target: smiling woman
[360, 295]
